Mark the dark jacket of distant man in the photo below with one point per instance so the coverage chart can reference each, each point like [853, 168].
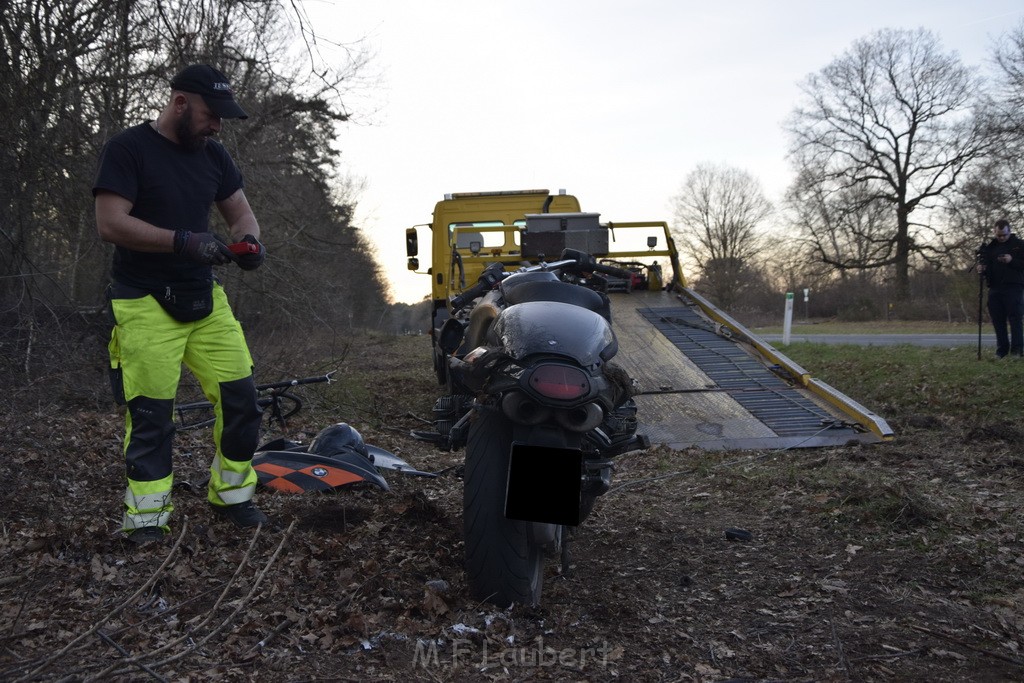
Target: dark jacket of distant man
[1001, 261]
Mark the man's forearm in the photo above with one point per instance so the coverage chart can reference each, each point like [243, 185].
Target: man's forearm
[246, 225]
[132, 233]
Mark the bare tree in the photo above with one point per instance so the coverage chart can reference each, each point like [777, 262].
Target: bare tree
[993, 189]
[719, 213]
[985, 195]
[73, 72]
[1008, 121]
[892, 120]
[840, 231]
[1009, 91]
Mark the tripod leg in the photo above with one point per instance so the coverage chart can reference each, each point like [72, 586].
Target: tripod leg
[981, 288]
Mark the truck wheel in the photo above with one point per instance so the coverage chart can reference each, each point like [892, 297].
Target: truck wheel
[503, 563]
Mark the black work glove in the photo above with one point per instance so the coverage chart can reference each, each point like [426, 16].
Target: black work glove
[252, 261]
[201, 247]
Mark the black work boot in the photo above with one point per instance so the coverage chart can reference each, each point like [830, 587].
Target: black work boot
[241, 514]
[146, 534]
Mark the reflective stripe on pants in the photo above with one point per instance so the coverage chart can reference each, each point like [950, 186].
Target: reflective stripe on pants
[148, 503]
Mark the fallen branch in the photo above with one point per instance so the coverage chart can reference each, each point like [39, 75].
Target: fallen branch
[287, 623]
[167, 612]
[188, 634]
[109, 641]
[981, 650]
[244, 602]
[49, 661]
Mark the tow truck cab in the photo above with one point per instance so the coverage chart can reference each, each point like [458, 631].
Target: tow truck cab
[473, 229]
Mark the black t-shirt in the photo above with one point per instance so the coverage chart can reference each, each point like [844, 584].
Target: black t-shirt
[169, 187]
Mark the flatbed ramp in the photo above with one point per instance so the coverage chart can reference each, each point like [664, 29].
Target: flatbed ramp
[705, 382]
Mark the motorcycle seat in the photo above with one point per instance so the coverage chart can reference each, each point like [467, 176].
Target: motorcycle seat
[561, 292]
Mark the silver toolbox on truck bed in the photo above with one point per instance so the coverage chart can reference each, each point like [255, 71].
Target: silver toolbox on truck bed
[550, 233]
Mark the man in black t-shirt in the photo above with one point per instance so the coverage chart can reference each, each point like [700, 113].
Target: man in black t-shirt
[154, 189]
[1001, 261]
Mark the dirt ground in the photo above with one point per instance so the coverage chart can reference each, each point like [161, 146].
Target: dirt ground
[892, 562]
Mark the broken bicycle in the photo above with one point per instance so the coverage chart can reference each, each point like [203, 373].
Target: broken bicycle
[276, 399]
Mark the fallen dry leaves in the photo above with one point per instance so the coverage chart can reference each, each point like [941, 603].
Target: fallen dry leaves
[895, 562]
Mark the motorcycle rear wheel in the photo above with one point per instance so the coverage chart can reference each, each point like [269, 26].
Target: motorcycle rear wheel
[504, 564]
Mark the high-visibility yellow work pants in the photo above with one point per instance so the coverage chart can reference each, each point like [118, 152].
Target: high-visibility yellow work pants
[147, 347]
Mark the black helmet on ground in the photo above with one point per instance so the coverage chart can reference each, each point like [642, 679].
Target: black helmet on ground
[337, 439]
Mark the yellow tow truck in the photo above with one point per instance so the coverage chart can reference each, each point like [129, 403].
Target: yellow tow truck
[703, 379]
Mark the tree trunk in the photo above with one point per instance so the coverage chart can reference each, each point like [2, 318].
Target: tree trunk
[902, 260]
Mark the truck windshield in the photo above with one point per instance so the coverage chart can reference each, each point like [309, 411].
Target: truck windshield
[488, 239]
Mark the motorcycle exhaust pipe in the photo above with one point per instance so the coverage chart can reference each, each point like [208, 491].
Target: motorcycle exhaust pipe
[522, 410]
[581, 418]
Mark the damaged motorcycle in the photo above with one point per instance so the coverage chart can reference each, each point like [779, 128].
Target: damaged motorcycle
[534, 397]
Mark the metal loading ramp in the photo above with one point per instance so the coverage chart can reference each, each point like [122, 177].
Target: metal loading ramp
[701, 385]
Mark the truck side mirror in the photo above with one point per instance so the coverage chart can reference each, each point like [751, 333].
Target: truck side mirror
[412, 245]
[652, 241]
[414, 263]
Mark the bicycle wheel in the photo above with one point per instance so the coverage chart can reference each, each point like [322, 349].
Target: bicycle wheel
[279, 407]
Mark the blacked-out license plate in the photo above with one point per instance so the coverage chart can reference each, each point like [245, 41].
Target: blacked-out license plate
[544, 484]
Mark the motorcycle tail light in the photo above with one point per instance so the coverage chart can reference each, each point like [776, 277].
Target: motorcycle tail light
[559, 382]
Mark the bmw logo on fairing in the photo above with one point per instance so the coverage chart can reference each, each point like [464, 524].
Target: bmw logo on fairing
[319, 472]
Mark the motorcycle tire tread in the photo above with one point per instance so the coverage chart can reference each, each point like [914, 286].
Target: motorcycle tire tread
[503, 564]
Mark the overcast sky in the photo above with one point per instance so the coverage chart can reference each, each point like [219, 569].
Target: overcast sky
[613, 101]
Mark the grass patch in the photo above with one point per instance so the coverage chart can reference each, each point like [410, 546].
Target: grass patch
[904, 381]
[875, 327]
[874, 501]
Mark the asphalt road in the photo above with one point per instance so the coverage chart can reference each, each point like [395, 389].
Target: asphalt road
[987, 340]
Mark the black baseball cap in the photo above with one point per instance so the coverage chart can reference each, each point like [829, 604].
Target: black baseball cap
[213, 86]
